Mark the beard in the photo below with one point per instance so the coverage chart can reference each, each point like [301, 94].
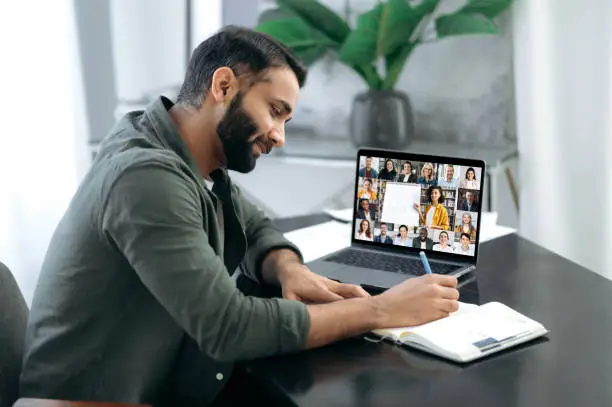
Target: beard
[234, 131]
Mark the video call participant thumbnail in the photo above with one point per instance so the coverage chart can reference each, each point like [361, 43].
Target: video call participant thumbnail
[365, 210]
[435, 215]
[466, 226]
[383, 237]
[388, 172]
[368, 171]
[444, 245]
[365, 231]
[464, 246]
[402, 238]
[367, 191]
[423, 241]
[469, 203]
[428, 176]
[470, 181]
[449, 180]
[406, 174]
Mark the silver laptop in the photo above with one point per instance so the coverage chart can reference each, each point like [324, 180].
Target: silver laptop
[404, 204]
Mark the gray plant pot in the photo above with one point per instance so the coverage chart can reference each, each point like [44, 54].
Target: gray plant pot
[382, 119]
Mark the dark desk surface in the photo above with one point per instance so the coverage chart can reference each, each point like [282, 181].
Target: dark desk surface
[572, 367]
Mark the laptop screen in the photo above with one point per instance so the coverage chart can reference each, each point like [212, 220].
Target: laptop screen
[431, 205]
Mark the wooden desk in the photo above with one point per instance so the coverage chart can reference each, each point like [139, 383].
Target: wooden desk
[573, 367]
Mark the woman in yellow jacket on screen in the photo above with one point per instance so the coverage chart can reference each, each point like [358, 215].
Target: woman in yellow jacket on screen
[435, 215]
[367, 192]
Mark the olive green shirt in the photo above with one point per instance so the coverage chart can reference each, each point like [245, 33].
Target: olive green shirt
[136, 267]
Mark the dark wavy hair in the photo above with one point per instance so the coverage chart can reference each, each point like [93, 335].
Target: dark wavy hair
[430, 190]
[244, 51]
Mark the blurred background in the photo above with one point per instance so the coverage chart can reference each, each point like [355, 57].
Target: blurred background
[534, 101]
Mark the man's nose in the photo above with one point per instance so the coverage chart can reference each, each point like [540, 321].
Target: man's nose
[277, 137]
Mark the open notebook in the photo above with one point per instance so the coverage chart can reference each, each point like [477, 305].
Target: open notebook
[470, 333]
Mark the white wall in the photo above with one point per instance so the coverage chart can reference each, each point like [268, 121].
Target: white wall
[43, 138]
[149, 44]
[94, 40]
[286, 187]
[207, 16]
[563, 70]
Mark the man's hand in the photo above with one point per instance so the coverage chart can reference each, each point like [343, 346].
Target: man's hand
[283, 267]
[418, 300]
[299, 283]
[413, 302]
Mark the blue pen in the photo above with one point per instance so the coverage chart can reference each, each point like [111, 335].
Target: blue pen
[425, 262]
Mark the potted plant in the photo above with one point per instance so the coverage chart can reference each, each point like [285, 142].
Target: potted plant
[377, 49]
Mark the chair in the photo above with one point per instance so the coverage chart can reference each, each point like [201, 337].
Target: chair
[13, 320]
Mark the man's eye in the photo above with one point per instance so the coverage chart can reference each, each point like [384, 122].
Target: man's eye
[275, 111]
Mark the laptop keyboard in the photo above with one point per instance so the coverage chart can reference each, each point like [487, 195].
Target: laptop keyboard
[379, 261]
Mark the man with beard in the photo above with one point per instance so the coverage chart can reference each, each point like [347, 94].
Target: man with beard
[422, 241]
[135, 300]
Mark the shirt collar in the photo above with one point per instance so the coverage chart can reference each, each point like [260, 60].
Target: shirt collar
[167, 133]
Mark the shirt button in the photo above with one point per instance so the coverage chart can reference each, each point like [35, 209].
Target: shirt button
[219, 376]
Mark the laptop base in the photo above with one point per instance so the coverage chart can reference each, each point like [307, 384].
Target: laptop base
[367, 277]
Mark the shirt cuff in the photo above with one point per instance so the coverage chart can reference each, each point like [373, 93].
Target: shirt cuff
[294, 326]
[257, 253]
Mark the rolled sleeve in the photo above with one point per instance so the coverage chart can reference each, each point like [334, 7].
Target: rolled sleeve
[154, 216]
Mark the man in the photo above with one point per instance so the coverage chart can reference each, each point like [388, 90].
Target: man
[423, 241]
[368, 171]
[464, 246]
[135, 300]
[365, 211]
[449, 181]
[383, 237]
[469, 204]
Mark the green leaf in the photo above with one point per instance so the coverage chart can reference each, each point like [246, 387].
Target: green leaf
[395, 25]
[360, 47]
[461, 24]
[272, 14]
[369, 75]
[395, 64]
[318, 17]
[397, 29]
[399, 21]
[290, 31]
[488, 8]
[310, 55]
[296, 35]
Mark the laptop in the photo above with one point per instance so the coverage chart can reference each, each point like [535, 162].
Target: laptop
[407, 203]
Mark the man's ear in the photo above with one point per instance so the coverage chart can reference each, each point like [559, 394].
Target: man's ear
[224, 85]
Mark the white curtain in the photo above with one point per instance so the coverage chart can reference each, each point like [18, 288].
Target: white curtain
[42, 129]
[563, 69]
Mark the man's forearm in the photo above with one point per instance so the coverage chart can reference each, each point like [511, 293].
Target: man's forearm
[343, 319]
[275, 264]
